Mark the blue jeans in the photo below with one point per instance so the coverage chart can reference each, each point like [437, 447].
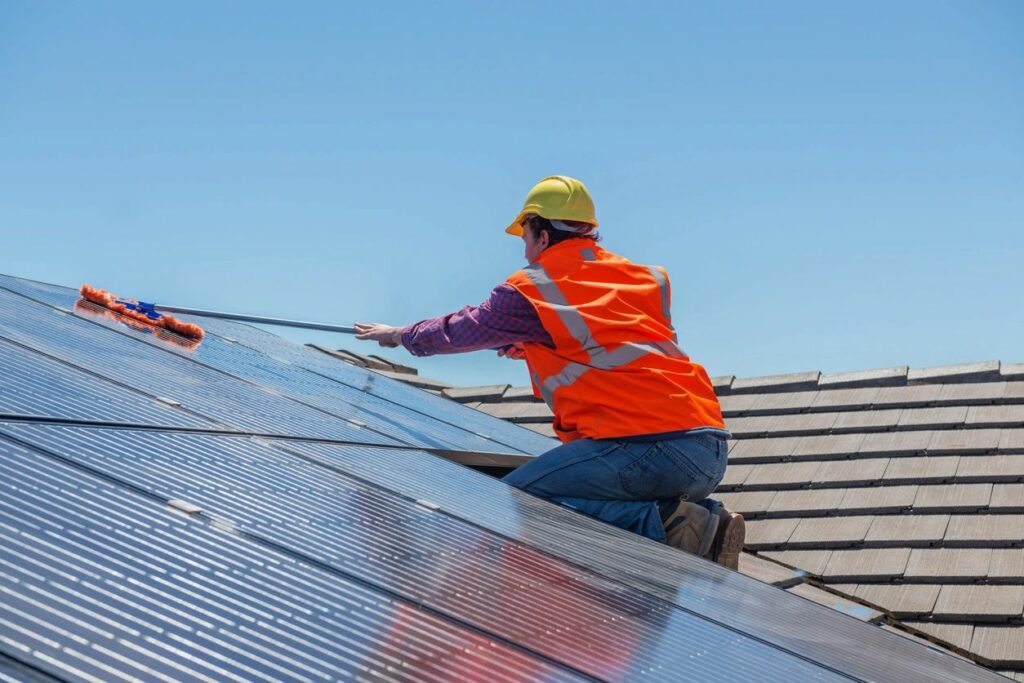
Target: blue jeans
[622, 482]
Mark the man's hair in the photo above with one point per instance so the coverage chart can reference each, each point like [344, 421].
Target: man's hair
[538, 224]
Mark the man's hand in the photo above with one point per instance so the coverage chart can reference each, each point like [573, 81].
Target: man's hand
[512, 351]
[385, 335]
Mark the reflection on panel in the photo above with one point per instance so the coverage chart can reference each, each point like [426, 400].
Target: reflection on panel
[101, 584]
[35, 385]
[449, 411]
[813, 631]
[471, 423]
[357, 399]
[229, 401]
[505, 588]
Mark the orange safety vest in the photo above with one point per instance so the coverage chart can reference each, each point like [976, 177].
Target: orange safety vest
[615, 369]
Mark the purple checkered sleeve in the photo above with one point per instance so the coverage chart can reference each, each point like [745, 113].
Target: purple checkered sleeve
[505, 318]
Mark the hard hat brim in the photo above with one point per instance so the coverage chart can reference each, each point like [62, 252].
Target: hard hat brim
[516, 228]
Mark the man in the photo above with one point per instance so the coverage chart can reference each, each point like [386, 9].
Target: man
[644, 443]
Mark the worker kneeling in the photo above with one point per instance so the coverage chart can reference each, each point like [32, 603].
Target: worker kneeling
[644, 444]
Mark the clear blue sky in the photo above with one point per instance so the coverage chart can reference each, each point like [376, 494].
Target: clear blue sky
[832, 186]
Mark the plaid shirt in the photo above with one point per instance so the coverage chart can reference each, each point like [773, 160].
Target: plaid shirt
[505, 318]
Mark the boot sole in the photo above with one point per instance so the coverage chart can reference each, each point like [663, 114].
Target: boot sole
[733, 536]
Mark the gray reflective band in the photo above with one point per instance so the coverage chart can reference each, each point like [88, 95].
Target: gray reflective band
[568, 314]
[603, 359]
[588, 254]
[662, 281]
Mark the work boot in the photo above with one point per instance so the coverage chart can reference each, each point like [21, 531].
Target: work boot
[691, 528]
[729, 537]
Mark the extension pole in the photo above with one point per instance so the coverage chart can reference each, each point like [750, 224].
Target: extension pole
[257, 319]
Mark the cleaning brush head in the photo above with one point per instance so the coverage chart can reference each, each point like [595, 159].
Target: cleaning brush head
[140, 311]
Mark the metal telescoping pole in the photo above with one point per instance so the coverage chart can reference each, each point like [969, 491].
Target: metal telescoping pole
[344, 329]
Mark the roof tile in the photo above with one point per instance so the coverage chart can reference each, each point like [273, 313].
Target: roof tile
[878, 499]
[735, 475]
[994, 468]
[802, 423]
[948, 564]
[977, 603]
[768, 572]
[850, 399]
[769, 532]
[999, 645]
[985, 530]
[758, 425]
[957, 635]
[851, 471]
[830, 532]
[1007, 498]
[896, 397]
[1007, 563]
[1011, 415]
[519, 393]
[810, 561]
[875, 378]
[895, 443]
[518, 412]
[747, 502]
[964, 441]
[544, 429]
[907, 529]
[806, 501]
[1012, 440]
[963, 394]
[853, 609]
[866, 420]
[827, 445]
[948, 416]
[787, 402]
[776, 474]
[1011, 371]
[963, 372]
[737, 404]
[867, 564]
[790, 382]
[491, 392]
[952, 498]
[758, 449]
[930, 469]
[902, 600]
[722, 383]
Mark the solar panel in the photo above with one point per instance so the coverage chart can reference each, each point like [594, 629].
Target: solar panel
[101, 583]
[348, 392]
[35, 385]
[232, 484]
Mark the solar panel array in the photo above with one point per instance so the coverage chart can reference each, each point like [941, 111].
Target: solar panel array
[249, 509]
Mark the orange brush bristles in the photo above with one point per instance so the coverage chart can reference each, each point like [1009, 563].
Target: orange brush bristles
[108, 300]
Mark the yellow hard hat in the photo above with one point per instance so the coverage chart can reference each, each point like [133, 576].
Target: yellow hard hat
[557, 197]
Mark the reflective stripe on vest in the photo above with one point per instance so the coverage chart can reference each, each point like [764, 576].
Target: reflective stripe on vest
[599, 356]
